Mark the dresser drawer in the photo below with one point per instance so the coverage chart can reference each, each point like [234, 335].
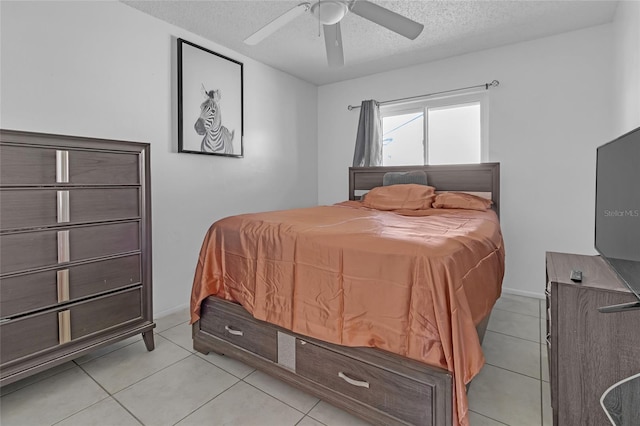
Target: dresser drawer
[29, 292]
[392, 393]
[27, 336]
[32, 334]
[28, 165]
[258, 338]
[26, 250]
[102, 313]
[28, 208]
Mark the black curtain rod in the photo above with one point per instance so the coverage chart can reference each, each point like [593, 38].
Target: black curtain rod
[494, 83]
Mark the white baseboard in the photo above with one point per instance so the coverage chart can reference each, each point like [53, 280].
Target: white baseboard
[170, 311]
[524, 293]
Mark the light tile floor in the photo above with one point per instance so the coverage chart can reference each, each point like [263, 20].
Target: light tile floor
[124, 384]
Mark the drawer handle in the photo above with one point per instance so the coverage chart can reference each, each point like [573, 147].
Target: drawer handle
[63, 285]
[353, 382]
[62, 166]
[232, 331]
[63, 246]
[64, 326]
[63, 206]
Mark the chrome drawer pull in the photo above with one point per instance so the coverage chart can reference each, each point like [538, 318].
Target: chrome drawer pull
[62, 166]
[232, 331]
[63, 206]
[63, 285]
[63, 246]
[349, 380]
[64, 326]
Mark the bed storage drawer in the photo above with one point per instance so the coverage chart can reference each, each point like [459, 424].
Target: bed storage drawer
[257, 337]
[390, 392]
[401, 391]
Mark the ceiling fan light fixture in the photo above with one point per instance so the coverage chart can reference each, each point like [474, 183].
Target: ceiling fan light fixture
[329, 12]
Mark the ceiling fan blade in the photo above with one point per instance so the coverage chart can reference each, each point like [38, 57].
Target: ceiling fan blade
[276, 24]
[387, 18]
[333, 43]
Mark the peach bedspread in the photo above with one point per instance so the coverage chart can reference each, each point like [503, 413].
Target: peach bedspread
[415, 283]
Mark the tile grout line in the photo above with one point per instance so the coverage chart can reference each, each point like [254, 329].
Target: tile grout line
[316, 404]
[190, 350]
[490, 418]
[308, 416]
[110, 395]
[156, 331]
[39, 380]
[516, 337]
[81, 410]
[511, 371]
[146, 377]
[203, 357]
[519, 313]
[205, 403]
[278, 399]
[152, 374]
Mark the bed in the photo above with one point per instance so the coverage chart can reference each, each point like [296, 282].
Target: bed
[291, 300]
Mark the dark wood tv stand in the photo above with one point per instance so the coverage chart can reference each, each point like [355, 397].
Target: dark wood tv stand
[589, 350]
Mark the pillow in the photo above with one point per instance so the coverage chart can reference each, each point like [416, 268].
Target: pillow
[397, 178]
[405, 196]
[460, 200]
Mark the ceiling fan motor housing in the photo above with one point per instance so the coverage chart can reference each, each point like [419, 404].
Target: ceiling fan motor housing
[330, 12]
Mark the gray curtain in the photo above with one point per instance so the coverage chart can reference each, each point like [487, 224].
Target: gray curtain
[368, 150]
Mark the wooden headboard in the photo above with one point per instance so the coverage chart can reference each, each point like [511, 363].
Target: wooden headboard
[482, 177]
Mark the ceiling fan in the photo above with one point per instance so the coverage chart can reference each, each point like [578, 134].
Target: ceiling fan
[330, 13]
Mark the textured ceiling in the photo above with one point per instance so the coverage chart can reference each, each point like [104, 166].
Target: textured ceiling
[452, 27]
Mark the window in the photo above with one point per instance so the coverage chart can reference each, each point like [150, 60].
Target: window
[435, 131]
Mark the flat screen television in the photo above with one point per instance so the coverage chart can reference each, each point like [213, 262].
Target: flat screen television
[617, 227]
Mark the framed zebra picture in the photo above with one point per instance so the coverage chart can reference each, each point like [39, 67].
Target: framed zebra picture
[210, 104]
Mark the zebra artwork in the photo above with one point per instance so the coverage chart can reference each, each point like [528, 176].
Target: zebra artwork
[217, 138]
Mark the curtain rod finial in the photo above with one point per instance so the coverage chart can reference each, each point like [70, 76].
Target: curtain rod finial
[349, 107]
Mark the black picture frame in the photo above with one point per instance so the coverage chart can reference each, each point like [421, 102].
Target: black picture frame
[210, 102]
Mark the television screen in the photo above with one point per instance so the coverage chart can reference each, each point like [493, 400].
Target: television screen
[617, 227]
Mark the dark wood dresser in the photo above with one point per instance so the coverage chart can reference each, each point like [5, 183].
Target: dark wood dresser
[589, 351]
[75, 248]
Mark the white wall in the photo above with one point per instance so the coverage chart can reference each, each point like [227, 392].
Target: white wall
[103, 69]
[552, 109]
[626, 81]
